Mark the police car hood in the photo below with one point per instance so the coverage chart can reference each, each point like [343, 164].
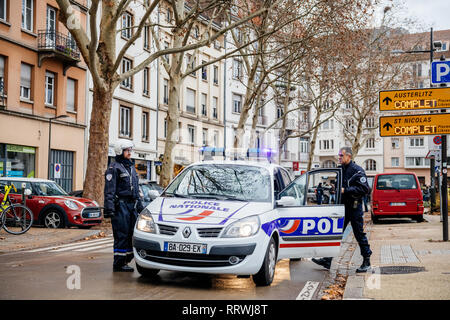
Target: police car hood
[201, 211]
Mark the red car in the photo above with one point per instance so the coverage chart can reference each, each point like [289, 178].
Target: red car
[52, 206]
[397, 195]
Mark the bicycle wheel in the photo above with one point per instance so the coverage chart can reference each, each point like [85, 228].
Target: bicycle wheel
[18, 219]
[2, 219]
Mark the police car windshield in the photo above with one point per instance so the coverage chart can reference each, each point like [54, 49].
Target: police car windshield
[224, 182]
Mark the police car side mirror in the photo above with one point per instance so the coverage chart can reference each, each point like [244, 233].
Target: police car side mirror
[286, 202]
[27, 192]
[153, 194]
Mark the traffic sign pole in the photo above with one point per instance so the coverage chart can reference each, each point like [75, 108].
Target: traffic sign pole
[444, 191]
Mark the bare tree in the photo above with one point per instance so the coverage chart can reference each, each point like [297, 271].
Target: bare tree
[98, 49]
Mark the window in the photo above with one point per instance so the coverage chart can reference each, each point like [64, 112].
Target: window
[395, 143]
[349, 124]
[280, 112]
[71, 95]
[204, 137]
[216, 138]
[419, 69]
[127, 64]
[214, 107]
[127, 23]
[169, 15]
[204, 109]
[328, 124]
[125, 122]
[216, 75]
[237, 69]
[190, 64]
[3, 9]
[49, 88]
[165, 128]
[348, 105]
[191, 131]
[147, 38]
[304, 143]
[145, 118]
[326, 144]
[2, 75]
[166, 92]
[190, 100]
[195, 32]
[166, 56]
[25, 81]
[237, 103]
[216, 44]
[329, 164]
[395, 162]
[370, 143]
[416, 142]
[370, 165]
[370, 122]
[204, 72]
[146, 84]
[27, 14]
[417, 162]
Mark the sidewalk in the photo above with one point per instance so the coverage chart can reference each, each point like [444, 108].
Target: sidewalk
[409, 261]
[38, 237]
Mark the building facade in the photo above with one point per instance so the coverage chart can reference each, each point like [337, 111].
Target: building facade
[42, 77]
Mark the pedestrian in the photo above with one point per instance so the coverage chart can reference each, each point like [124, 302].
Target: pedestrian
[319, 193]
[354, 187]
[332, 193]
[122, 203]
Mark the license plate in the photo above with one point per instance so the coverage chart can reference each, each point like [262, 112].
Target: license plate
[185, 247]
[398, 203]
[94, 214]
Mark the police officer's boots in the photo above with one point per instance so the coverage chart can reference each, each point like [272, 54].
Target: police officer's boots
[324, 262]
[365, 265]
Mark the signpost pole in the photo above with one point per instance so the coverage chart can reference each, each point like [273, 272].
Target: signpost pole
[432, 185]
[444, 191]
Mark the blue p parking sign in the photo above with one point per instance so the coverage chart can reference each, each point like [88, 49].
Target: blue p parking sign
[440, 72]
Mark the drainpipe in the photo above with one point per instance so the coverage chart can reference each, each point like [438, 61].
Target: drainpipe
[224, 98]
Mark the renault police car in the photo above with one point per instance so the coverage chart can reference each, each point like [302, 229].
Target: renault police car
[236, 217]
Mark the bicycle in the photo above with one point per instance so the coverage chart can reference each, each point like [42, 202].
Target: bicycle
[15, 217]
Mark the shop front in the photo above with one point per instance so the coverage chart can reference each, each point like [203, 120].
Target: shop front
[17, 161]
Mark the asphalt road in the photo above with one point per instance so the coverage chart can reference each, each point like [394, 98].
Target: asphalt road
[84, 271]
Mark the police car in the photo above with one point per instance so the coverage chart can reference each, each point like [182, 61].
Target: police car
[237, 217]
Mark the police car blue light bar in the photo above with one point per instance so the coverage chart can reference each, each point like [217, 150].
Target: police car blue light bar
[238, 153]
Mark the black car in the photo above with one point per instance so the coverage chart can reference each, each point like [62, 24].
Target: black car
[147, 191]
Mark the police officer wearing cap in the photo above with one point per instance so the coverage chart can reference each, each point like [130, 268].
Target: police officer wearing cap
[354, 188]
[122, 203]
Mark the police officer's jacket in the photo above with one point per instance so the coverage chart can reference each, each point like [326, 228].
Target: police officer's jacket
[354, 182]
[121, 183]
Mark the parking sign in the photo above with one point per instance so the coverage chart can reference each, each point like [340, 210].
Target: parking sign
[440, 72]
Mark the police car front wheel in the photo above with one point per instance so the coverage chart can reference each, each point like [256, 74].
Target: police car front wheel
[265, 275]
[145, 272]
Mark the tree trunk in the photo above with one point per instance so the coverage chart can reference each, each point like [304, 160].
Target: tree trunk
[98, 144]
[313, 146]
[172, 129]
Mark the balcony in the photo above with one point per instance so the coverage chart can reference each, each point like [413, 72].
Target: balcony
[52, 44]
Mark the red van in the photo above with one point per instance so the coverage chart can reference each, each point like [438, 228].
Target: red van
[397, 195]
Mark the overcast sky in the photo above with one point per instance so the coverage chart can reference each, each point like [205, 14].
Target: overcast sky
[429, 13]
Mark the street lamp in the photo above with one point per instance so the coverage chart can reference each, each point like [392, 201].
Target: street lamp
[50, 139]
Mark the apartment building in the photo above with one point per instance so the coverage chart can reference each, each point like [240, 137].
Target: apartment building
[134, 114]
[201, 103]
[42, 97]
[408, 154]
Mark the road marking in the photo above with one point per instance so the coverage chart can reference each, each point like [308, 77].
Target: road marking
[108, 245]
[77, 246]
[308, 291]
[65, 245]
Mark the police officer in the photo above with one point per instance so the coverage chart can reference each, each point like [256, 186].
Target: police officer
[122, 203]
[354, 187]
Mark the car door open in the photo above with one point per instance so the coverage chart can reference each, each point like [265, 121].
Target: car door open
[311, 220]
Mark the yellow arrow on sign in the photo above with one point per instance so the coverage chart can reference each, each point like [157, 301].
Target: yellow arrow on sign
[414, 99]
[416, 125]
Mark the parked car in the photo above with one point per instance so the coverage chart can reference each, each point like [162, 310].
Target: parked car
[397, 195]
[149, 191]
[52, 207]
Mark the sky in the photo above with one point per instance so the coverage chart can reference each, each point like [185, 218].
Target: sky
[428, 13]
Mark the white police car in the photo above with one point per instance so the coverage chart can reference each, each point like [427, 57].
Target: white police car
[236, 217]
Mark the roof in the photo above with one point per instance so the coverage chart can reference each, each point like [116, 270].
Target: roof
[261, 164]
[25, 179]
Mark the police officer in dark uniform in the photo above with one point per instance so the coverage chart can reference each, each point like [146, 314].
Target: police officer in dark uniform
[354, 188]
[122, 203]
